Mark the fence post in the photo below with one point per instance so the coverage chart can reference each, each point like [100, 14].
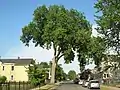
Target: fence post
[6, 84]
[27, 86]
[9, 85]
[0, 86]
[15, 85]
[23, 86]
[19, 85]
[30, 86]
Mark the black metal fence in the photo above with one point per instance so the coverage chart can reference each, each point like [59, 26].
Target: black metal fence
[17, 86]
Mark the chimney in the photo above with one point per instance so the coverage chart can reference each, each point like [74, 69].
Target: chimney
[18, 57]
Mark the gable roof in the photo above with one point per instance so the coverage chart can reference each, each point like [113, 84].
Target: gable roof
[17, 61]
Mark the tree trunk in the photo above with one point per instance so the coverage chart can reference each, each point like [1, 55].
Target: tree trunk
[52, 81]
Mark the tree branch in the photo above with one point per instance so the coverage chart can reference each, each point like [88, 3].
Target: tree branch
[54, 50]
[59, 51]
[59, 57]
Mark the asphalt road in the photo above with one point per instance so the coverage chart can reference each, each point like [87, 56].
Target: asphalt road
[71, 86]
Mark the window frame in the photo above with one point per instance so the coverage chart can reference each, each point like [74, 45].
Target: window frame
[12, 68]
[12, 78]
[3, 68]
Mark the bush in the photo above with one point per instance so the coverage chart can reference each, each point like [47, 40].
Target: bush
[3, 79]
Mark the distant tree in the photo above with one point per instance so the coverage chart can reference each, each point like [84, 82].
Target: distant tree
[85, 74]
[72, 75]
[44, 65]
[65, 76]
[60, 74]
[63, 30]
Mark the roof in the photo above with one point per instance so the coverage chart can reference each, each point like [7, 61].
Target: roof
[17, 61]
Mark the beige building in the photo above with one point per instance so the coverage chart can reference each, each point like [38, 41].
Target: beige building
[15, 69]
[108, 67]
[107, 70]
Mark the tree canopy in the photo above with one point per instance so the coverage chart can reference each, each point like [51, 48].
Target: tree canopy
[38, 73]
[94, 52]
[72, 75]
[60, 74]
[44, 65]
[63, 30]
[3, 79]
[58, 27]
[97, 49]
[108, 21]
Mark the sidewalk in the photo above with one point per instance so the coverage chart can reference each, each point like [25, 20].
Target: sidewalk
[109, 88]
[48, 87]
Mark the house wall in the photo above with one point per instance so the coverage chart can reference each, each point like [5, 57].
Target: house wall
[109, 73]
[19, 73]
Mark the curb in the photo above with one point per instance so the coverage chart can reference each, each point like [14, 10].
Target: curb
[46, 87]
[55, 86]
[50, 87]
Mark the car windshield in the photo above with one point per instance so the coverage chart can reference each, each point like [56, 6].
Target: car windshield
[94, 81]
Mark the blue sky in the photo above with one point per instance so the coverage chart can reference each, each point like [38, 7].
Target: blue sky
[15, 14]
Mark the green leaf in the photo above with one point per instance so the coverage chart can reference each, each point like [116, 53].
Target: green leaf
[72, 75]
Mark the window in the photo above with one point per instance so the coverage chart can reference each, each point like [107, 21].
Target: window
[104, 75]
[3, 68]
[12, 68]
[107, 75]
[11, 77]
[94, 81]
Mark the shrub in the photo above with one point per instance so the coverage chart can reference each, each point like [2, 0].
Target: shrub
[3, 79]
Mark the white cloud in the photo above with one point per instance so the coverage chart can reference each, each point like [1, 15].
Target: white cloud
[39, 54]
[94, 32]
[90, 66]
[30, 52]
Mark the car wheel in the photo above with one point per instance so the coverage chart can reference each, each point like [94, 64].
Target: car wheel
[90, 88]
[98, 88]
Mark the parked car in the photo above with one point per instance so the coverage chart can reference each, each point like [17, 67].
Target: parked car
[80, 82]
[85, 83]
[94, 84]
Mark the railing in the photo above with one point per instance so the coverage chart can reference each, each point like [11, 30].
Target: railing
[17, 86]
